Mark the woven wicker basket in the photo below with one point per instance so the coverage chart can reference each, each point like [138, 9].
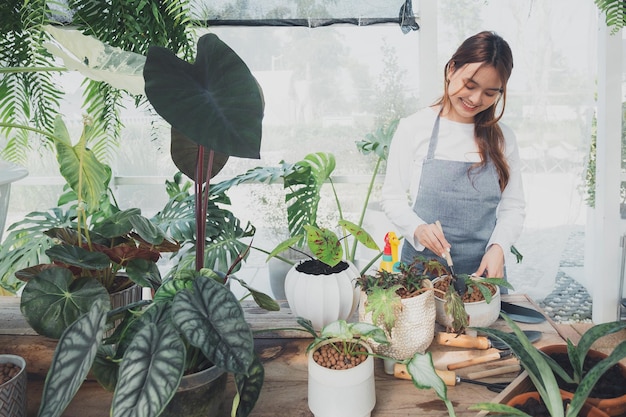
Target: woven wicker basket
[414, 329]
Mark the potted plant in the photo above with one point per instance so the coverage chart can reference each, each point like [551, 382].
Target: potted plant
[215, 108]
[13, 382]
[341, 369]
[479, 305]
[100, 252]
[401, 303]
[543, 370]
[348, 388]
[304, 181]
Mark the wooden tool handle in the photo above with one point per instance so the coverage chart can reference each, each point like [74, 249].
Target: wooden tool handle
[448, 377]
[462, 340]
[475, 361]
[446, 254]
[494, 372]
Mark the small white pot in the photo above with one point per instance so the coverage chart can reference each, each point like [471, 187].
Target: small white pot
[341, 393]
[481, 313]
[322, 298]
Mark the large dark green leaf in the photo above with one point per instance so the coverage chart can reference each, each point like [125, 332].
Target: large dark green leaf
[249, 387]
[144, 273]
[215, 102]
[72, 360]
[104, 368]
[211, 318]
[150, 372]
[53, 300]
[118, 224]
[184, 153]
[77, 256]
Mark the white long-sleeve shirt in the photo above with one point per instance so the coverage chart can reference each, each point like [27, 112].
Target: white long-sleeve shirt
[409, 148]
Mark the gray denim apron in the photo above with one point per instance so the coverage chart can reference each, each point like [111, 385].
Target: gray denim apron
[464, 204]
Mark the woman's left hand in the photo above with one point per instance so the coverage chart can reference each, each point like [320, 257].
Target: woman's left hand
[492, 264]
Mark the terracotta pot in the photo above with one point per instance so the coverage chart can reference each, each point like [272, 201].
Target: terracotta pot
[201, 394]
[322, 298]
[588, 410]
[13, 392]
[611, 406]
[481, 313]
[414, 329]
[341, 393]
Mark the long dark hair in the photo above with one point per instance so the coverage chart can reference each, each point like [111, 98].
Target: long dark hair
[489, 49]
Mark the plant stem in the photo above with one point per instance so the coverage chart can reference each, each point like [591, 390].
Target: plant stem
[365, 203]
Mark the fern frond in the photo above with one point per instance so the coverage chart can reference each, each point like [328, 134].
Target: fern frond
[615, 12]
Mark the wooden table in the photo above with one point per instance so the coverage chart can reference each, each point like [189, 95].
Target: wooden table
[283, 353]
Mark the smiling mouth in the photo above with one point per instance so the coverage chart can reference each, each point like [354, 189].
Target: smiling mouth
[467, 105]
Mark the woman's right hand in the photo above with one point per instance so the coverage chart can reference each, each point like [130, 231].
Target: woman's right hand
[429, 236]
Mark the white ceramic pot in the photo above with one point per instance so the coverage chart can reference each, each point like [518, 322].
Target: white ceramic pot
[341, 393]
[481, 313]
[322, 298]
[13, 392]
[414, 329]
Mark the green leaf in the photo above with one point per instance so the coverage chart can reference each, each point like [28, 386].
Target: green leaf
[533, 361]
[305, 181]
[215, 102]
[324, 245]
[502, 410]
[383, 304]
[360, 234]
[262, 300]
[77, 256]
[589, 338]
[592, 376]
[369, 331]
[150, 372]
[144, 273]
[73, 357]
[170, 288]
[147, 230]
[422, 371]
[104, 368]
[84, 173]
[53, 300]
[211, 318]
[249, 387]
[118, 224]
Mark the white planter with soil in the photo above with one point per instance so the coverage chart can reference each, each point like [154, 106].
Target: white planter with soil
[325, 297]
[481, 313]
[341, 392]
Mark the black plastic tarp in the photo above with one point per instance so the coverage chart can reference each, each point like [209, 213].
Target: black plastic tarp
[308, 13]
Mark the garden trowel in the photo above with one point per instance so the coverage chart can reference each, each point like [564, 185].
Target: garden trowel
[459, 285]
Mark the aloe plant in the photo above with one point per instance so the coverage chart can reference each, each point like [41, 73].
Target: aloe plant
[542, 369]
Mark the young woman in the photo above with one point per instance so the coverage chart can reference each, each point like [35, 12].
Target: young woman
[460, 166]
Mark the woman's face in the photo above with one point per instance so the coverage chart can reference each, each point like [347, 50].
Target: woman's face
[472, 88]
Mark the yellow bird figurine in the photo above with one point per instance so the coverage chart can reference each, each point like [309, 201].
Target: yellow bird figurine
[390, 261]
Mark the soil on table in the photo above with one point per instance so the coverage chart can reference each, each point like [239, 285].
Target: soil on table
[612, 384]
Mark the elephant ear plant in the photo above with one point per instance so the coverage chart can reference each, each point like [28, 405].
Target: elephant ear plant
[215, 109]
